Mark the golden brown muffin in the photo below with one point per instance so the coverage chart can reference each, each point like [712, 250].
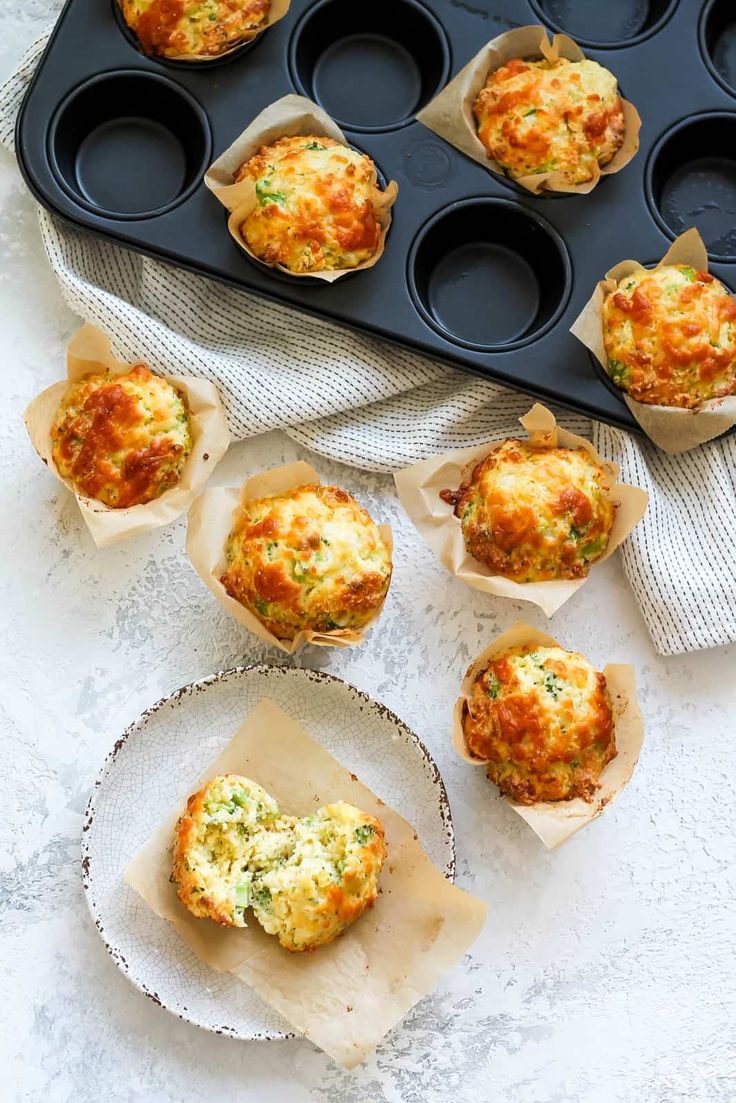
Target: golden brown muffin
[310, 558]
[315, 205]
[195, 28]
[122, 439]
[670, 337]
[326, 882]
[540, 116]
[230, 830]
[541, 718]
[534, 514]
[305, 879]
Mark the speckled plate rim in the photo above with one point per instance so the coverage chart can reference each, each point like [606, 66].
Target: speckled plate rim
[138, 726]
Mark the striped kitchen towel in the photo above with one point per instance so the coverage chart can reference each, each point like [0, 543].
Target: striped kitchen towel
[377, 407]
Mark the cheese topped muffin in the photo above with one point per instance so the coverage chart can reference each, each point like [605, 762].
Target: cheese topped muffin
[670, 336]
[196, 28]
[230, 830]
[551, 116]
[541, 718]
[310, 558]
[534, 514]
[122, 439]
[305, 879]
[315, 205]
[325, 882]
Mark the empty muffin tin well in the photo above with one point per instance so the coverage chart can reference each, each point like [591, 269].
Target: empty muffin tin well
[601, 24]
[373, 66]
[129, 144]
[691, 181]
[718, 41]
[489, 274]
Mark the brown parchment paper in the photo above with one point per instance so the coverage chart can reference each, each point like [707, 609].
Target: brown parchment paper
[210, 523]
[556, 821]
[419, 489]
[278, 10]
[672, 429]
[89, 351]
[287, 117]
[344, 996]
[450, 114]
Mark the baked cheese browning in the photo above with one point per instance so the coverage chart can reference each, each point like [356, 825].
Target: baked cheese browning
[670, 337]
[541, 718]
[540, 116]
[305, 879]
[310, 558]
[326, 882]
[122, 439]
[533, 514]
[196, 28]
[315, 205]
[230, 830]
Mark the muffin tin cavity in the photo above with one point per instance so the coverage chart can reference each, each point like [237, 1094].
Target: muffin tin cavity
[718, 42]
[489, 274]
[129, 144]
[594, 23]
[177, 63]
[691, 181]
[371, 67]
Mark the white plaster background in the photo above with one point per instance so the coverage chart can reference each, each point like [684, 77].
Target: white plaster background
[607, 969]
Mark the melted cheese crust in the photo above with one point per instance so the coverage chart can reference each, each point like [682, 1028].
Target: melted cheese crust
[535, 514]
[199, 28]
[305, 879]
[538, 116]
[541, 718]
[327, 880]
[311, 558]
[316, 205]
[122, 439]
[670, 337]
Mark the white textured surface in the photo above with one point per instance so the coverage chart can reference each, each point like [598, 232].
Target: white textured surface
[607, 970]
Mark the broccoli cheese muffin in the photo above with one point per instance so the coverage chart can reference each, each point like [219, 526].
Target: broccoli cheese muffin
[670, 336]
[326, 881]
[305, 879]
[122, 439]
[196, 28]
[310, 558]
[541, 718]
[558, 116]
[230, 831]
[315, 205]
[534, 514]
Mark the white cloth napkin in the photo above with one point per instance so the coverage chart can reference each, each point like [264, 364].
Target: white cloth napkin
[378, 407]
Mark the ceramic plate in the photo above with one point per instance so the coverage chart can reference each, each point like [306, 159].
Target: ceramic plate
[175, 740]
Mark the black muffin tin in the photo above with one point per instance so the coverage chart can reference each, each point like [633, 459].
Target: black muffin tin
[477, 272]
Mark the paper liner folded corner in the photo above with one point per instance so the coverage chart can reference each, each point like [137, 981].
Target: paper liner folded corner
[90, 351]
[290, 116]
[450, 114]
[556, 821]
[419, 487]
[671, 428]
[347, 995]
[209, 525]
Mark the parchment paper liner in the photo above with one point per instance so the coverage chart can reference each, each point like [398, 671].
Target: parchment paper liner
[89, 351]
[287, 117]
[419, 488]
[344, 996]
[672, 429]
[450, 114]
[210, 524]
[556, 821]
[278, 10]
